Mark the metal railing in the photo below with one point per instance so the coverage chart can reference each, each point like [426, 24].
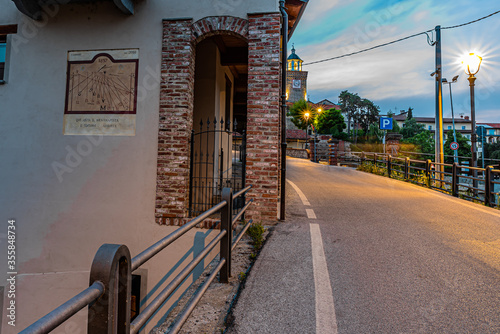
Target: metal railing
[109, 295]
[472, 183]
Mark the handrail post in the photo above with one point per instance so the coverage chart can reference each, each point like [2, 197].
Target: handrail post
[454, 180]
[428, 164]
[389, 166]
[191, 171]
[111, 312]
[225, 243]
[407, 163]
[375, 159]
[488, 187]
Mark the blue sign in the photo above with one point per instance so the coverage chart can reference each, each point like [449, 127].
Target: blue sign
[385, 123]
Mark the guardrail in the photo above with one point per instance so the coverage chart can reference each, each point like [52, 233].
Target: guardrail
[473, 183]
[109, 294]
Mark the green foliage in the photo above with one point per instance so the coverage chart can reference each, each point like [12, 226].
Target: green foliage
[369, 167]
[242, 276]
[411, 128]
[375, 135]
[298, 110]
[464, 149]
[410, 113]
[256, 232]
[492, 151]
[424, 142]
[340, 135]
[330, 121]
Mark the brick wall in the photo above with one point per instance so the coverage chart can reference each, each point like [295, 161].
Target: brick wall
[175, 122]
[263, 115]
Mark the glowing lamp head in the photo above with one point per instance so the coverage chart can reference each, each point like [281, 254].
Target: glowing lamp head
[471, 63]
[306, 115]
[320, 110]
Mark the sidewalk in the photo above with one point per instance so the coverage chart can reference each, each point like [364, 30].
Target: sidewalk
[279, 293]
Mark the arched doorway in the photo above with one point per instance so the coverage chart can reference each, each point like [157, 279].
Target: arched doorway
[218, 141]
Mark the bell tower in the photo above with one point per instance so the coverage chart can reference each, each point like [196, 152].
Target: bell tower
[296, 79]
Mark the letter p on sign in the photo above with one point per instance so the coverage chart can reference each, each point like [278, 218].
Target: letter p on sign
[385, 123]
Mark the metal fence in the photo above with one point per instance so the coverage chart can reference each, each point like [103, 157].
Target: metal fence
[472, 183]
[109, 295]
[217, 160]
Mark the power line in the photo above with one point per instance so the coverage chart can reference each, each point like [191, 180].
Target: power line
[398, 40]
[464, 24]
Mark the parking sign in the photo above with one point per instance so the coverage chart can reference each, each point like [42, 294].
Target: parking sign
[385, 123]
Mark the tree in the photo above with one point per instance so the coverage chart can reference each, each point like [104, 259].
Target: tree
[367, 114]
[330, 121]
[409, 115]
[361, 111]
[491, 150]
[463, 147]
[298, 111]
[349, 105]
[411, 128]
[424, 142]
[375, 134]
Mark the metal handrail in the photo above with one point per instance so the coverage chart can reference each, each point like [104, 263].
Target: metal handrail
[439, 178]
[108, 296]
[148, 253]
[144, 316]
[66, 310]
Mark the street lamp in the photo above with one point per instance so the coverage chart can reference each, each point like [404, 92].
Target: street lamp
[455, 78]
[472, 63]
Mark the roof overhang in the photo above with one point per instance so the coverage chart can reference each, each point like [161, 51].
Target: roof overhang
[35, 8]
[294, 9]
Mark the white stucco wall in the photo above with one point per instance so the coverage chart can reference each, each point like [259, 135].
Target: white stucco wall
[107, 194]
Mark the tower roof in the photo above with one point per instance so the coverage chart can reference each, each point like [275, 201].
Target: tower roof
[293, 55]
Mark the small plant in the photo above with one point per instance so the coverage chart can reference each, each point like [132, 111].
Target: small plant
[256, 232]
[242, 276]
[253, 256]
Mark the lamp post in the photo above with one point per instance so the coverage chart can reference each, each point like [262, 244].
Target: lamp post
[455, 78]
[316, 135]
[472, 63]
[306, 116]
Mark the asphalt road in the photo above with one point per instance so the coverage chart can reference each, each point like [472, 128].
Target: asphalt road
[398, 258]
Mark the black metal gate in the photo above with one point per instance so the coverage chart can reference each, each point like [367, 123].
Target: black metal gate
[217, 161]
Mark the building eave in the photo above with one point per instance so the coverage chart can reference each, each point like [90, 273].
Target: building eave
[34, 8]
[294, 9]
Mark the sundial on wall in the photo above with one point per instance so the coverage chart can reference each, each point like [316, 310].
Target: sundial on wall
[101, 92]
[103, 84]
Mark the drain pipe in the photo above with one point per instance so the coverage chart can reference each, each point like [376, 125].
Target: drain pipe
[284, 52]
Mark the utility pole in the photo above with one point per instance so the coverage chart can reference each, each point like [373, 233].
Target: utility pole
[439, 154]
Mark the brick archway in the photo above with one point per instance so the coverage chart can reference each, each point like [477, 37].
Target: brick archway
[219, 25]
[180, 37]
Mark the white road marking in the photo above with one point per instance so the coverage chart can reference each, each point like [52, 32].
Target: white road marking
[301, 194]
[310, 214]
[326, 321]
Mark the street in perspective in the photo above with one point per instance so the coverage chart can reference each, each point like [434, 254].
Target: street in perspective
[399, 259]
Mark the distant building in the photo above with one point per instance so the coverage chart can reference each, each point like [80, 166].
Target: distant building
[296, 79]
[492, 132]
[462, 124]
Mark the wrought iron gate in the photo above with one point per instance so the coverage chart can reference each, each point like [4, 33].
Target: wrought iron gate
[217, 161]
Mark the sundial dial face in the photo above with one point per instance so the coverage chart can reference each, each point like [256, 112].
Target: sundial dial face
[101, 83]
